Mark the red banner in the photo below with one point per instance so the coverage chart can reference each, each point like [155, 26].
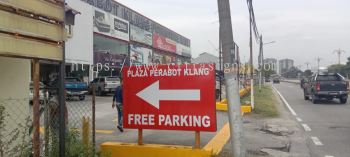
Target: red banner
[169, 97]
[163, 43]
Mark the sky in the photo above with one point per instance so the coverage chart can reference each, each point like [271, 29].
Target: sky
[303, 29]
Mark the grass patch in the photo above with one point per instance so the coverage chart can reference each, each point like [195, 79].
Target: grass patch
[265, 102]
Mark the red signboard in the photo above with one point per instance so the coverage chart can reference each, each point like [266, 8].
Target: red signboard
[169, 97]
[163, 43]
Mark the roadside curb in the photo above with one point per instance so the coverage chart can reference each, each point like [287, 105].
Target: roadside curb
[116, 149]
[245, 108]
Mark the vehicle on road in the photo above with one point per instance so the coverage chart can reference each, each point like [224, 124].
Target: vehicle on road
[267, 80]
[42, 94]
[75, 88]
[326, 86]
[276, 80]
[104, 85]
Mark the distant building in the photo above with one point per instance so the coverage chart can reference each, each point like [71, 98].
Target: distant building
[271, 63]
[207, 58]
[285, 65]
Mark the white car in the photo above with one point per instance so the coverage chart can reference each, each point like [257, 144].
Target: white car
[42, 95]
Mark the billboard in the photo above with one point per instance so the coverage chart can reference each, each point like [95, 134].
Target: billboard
[165, 97]
[110, 25]
[183, 50]
[136, 19]
[140, 55]
[140, 35]
[163, 43]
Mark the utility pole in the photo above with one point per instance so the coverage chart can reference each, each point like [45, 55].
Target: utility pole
[307, 65]
[220, 65]
[251, 64]
[339, 52]
[231, 79]
[318, 64]
[261, 62]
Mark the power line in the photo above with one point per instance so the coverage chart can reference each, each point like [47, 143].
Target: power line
[252, 20]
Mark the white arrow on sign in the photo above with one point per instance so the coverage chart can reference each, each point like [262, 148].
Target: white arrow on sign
[152, 94]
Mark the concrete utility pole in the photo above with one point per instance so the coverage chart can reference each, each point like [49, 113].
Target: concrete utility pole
[261, 63]
[231, 79]
[251, 64]
[339, 52]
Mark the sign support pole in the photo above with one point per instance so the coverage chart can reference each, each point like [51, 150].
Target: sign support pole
[36, 106]
[197, 144]
[139, 141]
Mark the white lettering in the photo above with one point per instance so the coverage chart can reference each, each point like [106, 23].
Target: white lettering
[206, 121]
[161, 119]
[130, 118]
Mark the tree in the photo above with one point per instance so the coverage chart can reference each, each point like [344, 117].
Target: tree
[292, 72]
[338, 68]
[268, 72]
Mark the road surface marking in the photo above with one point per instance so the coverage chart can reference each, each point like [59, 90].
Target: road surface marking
[316, 141]
[299, 119]
[306, 127]
[328, 156]
[285, 102]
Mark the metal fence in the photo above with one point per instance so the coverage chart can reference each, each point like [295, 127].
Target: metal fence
[16, 127]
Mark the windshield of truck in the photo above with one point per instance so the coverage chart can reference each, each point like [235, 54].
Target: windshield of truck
[328, 78]
[112, 79]
[72, 80]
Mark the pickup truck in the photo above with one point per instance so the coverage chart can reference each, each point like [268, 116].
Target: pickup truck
[75, 88]
[327, 86]
[104, 85]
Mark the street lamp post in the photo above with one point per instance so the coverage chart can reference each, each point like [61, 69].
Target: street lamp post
[261, 60]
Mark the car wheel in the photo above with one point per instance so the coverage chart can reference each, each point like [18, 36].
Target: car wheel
[343, 100]
[69, 98]
[82, 97]
[314, 99]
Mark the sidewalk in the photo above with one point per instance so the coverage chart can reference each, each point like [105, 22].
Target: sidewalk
[275, 137]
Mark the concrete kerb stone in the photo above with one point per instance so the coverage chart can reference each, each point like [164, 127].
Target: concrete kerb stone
[116, 149]
[246, 108]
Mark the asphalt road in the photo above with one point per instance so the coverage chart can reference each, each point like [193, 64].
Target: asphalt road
[326, 124]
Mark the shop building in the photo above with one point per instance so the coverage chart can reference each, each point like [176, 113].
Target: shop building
[107, 35]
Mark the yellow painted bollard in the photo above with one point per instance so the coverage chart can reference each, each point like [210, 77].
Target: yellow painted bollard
[85, 130]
